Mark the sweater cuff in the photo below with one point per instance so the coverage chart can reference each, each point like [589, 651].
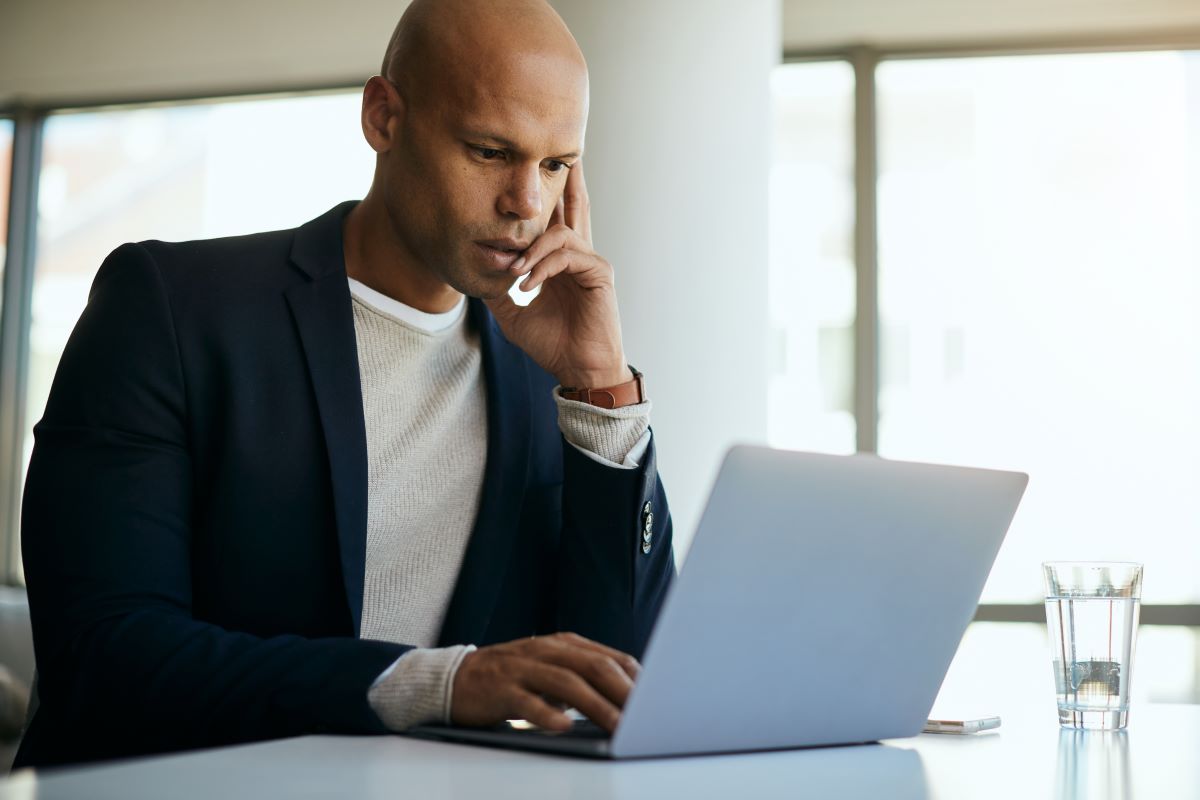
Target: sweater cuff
[609, 435]
[417, 687]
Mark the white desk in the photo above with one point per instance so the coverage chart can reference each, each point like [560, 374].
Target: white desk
[1028, 758]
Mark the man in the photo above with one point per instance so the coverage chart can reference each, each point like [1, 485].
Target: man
[287, 483]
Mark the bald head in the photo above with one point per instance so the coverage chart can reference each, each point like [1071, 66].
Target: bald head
[454, 46]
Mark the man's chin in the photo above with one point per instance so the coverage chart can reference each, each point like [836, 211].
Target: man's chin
[485, 287]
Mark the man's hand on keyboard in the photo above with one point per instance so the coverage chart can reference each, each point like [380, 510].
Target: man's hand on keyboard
[530, 678]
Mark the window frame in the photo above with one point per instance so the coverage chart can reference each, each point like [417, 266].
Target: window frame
[15, 318]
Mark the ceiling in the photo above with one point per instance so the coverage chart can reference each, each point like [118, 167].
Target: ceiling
[814, 25]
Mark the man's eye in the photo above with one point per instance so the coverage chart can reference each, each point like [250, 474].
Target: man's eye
[489, 153]
[555, 167]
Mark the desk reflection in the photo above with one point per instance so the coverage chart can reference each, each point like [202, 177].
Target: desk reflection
[1093, 765]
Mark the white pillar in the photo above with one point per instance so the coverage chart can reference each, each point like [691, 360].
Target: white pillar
[677, 156]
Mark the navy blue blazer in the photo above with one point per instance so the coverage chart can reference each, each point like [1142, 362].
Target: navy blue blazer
[194, 520]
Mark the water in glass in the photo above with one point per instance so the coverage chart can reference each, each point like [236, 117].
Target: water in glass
[1093, 639]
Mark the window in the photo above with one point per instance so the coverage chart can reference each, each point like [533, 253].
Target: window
[1038, 267]
[811, 397]
[175, 173]
[1039, 272]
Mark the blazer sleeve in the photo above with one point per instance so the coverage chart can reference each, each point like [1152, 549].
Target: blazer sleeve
[106, 533]
[616, 559]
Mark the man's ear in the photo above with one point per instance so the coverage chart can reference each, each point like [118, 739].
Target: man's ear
[382, 109]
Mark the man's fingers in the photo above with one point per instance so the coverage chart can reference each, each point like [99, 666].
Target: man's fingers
[573, 641]
[532, 708]
[590, 271]
[625, 661]
[556, 237]
[559, 215]
[577, 213]
[600, 671]
[558, 683]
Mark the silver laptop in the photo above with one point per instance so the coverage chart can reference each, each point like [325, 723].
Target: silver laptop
[821, 604]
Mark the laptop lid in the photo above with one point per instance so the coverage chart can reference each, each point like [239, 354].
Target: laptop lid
[821, 603]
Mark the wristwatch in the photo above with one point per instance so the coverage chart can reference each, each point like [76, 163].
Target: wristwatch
[629, 393]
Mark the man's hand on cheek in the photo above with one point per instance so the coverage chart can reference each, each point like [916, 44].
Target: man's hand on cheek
[572, 328]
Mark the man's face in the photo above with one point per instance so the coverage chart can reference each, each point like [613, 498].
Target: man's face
[480, 163]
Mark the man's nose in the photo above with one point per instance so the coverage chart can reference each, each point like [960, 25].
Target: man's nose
[522, 197]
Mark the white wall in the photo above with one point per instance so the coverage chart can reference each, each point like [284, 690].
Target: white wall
[677, 158]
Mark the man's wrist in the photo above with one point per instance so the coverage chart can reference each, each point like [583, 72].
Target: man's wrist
[595, 379]
[418, 687]
[627, 393]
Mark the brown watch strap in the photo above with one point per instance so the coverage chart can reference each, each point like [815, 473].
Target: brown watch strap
[629, 393]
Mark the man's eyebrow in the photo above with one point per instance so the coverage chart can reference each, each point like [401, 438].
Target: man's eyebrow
[509, 145]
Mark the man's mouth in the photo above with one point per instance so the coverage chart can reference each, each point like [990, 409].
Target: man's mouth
[501, 254]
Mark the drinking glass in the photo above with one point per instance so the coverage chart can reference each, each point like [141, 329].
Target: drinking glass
[1092, 610]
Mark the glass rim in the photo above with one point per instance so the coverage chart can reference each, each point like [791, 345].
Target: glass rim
[1093, 564]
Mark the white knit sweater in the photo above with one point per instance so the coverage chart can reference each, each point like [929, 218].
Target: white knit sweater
[425, 409]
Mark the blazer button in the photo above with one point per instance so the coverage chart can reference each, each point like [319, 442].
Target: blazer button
[647, 528]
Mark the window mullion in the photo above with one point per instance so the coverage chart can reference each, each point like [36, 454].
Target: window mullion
[866, 322]
[15, 319]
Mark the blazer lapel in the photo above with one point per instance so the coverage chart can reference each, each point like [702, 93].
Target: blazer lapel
[325, 322]
[491, 545]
